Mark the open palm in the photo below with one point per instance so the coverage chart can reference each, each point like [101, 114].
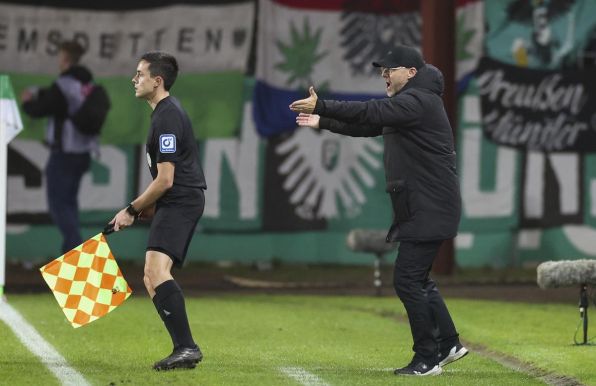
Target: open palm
[310, 120]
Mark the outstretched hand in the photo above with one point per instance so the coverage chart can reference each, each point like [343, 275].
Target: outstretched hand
[305, 105]
[309, 120]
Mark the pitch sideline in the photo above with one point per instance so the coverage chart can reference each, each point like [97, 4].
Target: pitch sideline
[302, 376]
[29, 336]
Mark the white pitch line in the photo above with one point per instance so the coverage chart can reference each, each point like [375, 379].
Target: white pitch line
[39, 347]
[302, 376]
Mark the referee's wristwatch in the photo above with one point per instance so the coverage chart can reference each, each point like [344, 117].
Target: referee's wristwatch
[132, 211]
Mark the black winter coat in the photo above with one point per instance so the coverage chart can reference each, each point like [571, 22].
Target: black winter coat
[419, 154]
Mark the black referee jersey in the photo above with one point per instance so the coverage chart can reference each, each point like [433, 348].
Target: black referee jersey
[171, 139]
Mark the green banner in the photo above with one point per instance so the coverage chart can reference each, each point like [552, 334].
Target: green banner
[529, 192]
[540, 34]
[257, 192]
[213, 102]
[10, 119]
[5, 88]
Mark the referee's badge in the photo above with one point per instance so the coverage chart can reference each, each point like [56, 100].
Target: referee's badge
[167, 143]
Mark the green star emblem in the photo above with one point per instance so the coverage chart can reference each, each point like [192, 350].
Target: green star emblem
[300, 55]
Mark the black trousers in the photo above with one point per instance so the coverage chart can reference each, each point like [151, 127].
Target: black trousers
[429, 318]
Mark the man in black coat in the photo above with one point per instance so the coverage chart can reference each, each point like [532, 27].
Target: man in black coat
[420, 172]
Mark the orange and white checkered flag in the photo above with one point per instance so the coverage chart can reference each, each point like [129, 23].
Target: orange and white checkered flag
[87, 281]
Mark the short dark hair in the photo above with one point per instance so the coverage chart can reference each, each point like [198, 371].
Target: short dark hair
[73, 50]
[162, 64]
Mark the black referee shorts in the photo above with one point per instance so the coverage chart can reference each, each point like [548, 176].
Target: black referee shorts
[172, 229]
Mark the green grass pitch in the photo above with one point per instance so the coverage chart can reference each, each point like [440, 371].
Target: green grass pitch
[342, 340]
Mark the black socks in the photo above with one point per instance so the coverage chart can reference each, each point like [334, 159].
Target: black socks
[167, 322]
[169, 302]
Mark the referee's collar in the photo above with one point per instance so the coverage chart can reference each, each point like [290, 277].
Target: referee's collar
[160, 103]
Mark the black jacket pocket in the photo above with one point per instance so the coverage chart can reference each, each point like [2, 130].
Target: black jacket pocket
[398, 191]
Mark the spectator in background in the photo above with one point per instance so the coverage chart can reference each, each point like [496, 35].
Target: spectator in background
[70, 146]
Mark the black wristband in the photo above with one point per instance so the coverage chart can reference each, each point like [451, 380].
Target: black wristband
[131, 210]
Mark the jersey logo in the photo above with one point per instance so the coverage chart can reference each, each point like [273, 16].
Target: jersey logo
[167, 143]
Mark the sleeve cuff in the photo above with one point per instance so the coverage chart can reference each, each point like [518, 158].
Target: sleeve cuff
[324, 123]
[319, 107]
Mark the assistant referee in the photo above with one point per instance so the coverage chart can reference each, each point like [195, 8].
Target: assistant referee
[175, 200]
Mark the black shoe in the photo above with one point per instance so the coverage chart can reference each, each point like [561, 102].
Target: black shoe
[418, 367]
[180, 358]
[451, 354]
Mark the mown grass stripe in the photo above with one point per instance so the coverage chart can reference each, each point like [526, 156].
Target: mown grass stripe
[40, 347]
[302, 376]
[548, 377]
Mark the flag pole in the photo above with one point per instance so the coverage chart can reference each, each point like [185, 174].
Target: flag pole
[3, 178]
